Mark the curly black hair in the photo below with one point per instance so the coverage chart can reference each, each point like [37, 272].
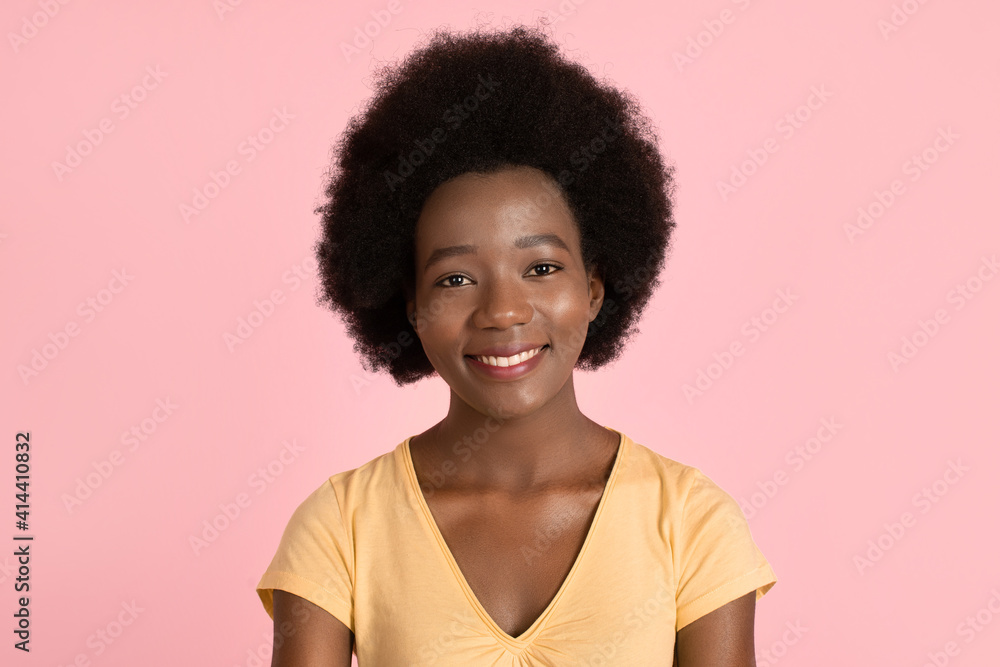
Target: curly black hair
[481, 102]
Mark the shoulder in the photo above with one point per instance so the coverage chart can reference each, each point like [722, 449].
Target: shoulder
[677, 477]
[370, 483]
[686, 491]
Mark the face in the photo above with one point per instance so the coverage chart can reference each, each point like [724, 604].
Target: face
[498, 262]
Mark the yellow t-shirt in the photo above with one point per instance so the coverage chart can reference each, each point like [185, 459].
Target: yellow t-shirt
[666, 546]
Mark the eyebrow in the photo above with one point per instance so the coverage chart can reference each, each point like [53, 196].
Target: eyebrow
[520, 242]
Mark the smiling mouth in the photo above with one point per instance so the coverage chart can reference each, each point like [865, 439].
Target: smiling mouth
[507, 362]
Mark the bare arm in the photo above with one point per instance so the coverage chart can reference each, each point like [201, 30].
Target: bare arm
[308, 636]
[721, 638]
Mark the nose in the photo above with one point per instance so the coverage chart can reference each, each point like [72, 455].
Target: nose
[502, 304]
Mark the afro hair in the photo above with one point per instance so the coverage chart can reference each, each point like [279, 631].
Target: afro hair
[481, 102]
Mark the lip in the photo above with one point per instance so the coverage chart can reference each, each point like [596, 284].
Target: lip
[509, 372]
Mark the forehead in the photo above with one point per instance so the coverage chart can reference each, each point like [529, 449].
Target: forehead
[501, 204]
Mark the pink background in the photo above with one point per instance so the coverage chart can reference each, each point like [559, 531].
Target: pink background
[162, 334]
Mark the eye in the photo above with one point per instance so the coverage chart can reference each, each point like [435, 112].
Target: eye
[443, 281]
[553, 266]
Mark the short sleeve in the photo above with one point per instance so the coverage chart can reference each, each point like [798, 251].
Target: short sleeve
[315, 558]
[717, 558]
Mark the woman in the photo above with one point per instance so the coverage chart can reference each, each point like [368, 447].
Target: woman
[498, 217]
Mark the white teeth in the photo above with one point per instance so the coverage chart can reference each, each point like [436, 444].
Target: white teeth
[504, 362]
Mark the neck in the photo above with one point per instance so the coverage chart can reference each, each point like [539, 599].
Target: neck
[510, 452]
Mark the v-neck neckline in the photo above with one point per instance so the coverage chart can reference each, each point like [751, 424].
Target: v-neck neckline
[513, 643]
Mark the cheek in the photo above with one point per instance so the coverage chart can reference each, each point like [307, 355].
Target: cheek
[569, 320]
[434, 313]
[569, 310]
[440, 332]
